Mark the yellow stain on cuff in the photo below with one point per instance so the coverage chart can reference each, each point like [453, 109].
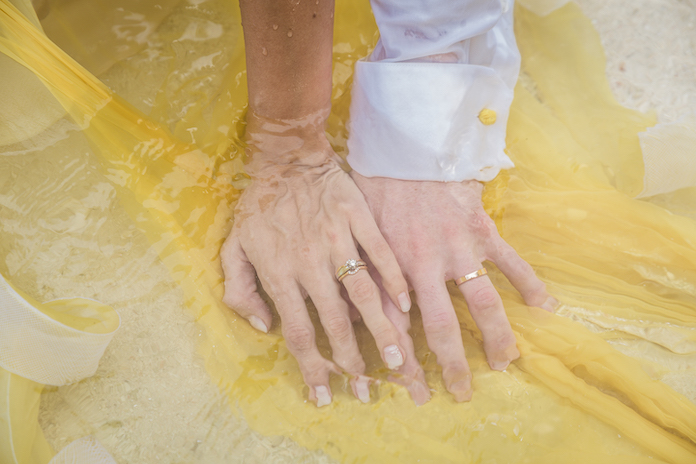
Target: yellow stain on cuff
[487, 116]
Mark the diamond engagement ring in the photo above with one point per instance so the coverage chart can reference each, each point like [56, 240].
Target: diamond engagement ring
[470, 276]
[351, 267]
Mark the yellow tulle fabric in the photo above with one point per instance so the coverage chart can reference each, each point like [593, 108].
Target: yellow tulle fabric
[604, 380]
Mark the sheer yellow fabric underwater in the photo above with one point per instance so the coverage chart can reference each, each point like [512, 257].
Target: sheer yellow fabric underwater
[603, 383]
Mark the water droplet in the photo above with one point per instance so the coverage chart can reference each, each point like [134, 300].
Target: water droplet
[264, 52]
[275, 27]
[289, 33]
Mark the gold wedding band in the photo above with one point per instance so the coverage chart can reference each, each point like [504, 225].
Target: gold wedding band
[471, 275]
[351, 267]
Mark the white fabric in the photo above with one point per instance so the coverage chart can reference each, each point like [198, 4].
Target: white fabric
[38, 348]
[669, 151]
[415, 119]
[86, 450]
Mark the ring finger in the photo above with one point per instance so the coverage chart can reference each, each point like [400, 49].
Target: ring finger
[365, 295]
[486, 308]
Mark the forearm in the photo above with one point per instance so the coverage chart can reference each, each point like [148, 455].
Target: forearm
[288, 55]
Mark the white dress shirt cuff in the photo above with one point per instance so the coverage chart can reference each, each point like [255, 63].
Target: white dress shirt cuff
[434, 120]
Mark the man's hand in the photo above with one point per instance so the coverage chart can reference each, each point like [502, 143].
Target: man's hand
[439, 231]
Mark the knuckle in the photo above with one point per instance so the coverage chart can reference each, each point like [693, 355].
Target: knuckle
[453, 368]
[485, 298]
[383, 331]
[333, 237]
[484, 226]
[308, 254]
[441, 321]
[381, 250]
[278, 290]
[514, 261]
[233, 298]
[363, 291]
[315, 370]
[300, 339]
[418, 247]
[340, 329]
[351, 364]
[507, 253]
[538, 288]
[501, 341]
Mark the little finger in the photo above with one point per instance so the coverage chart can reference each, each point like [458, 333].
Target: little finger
[522, 276]
[241, 293]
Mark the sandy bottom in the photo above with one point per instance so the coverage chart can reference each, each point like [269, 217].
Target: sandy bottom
[151, 399]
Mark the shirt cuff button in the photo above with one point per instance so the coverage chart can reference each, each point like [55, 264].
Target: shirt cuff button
[487, 117]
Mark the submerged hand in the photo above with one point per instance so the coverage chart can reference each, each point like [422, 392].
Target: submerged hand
[300, 219]
[440, 231]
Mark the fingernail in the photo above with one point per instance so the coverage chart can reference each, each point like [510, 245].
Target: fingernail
[393, 356]
[258, 324]
[404, 302]
[550, 304]
[510, 354]
[461, 390]
[362, 388]
[499, 365]
[460, 387]
[420, 393]
[323, 396]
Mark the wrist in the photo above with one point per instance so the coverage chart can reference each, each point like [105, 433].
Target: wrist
[280, 145]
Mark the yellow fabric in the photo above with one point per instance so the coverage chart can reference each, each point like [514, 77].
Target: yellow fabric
[21, 438]
[625, 270]
[58, 326]
[78, 313]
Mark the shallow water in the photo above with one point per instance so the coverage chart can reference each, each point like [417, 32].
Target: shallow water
[68, 229]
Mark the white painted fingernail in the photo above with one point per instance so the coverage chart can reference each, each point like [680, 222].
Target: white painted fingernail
[550, 304]
[258, 324]
[323, 397]
[404, 302]
[393, 356]
[362, 388]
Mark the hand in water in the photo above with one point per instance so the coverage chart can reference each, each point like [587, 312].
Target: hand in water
[439, 231]
[301, 219]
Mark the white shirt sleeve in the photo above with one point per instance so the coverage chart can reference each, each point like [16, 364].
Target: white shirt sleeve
[432, 100]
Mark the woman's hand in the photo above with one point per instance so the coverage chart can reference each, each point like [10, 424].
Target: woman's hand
[439, 231]
[300, 219]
